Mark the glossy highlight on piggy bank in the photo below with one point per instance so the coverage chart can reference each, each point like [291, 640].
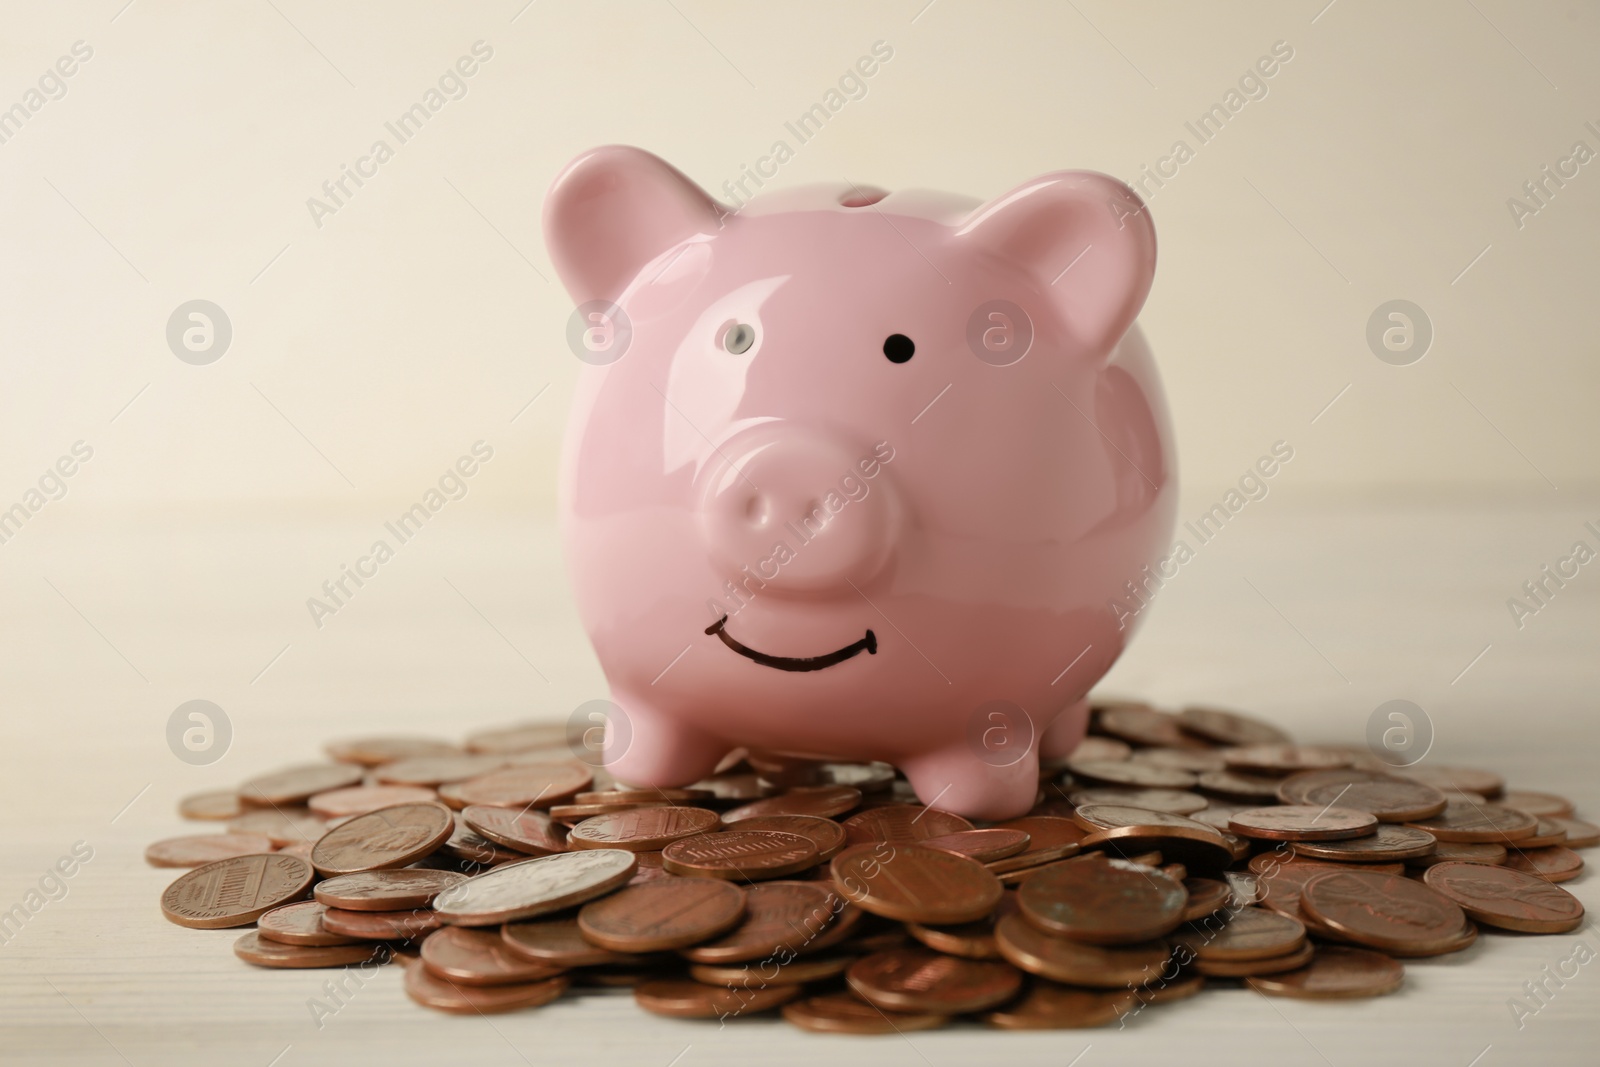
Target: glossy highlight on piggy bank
[857, 473]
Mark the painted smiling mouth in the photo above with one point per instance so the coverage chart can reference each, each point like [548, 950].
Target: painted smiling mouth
[795, 663]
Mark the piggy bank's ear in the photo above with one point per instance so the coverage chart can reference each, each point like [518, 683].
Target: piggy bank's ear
[1088, 241]
[614, 209]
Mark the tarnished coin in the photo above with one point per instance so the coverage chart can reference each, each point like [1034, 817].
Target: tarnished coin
[1548, 834]
[1539, 805]
[387, 890]
[533, 785]
[535, 886]
[373, 751]
[739, 854]
[846, 1013]
[573, 814]
[519, 737]
[293, 785]
[236, 891]
[434, 771]
[1506, 898]
[1257, 965]
[668, 913]
[1555, 864]
[1049, 1005]
[360, 799]
[780, 918]
[1294, 822]
[736, 786]
[914, 883]
[1391, 913]
[300, 849]
[1132, 831]
[559, 943]
[684, 998]
[1248, 934]
[1103, 901]
[642, 829]
[1466, 851]
[1207, 896]
[1050, 838]
[195, 849]
[1389, 842]
[1335, 972]
[1129, 773]
[1388, 797]
[440, 994]
[1278, 886]
[918, 979]
[1580, 834]
[1173, 801]
[974, 940]
[256, 949]
[1140, 724]
[985, 846]
[388, 837]
[771, 972]
[466, 845]
[1077, 963]
[300, 924]
[1457, 779]
[1096, 747]
[1283, 759]
[826, 834]
[867, 777]
[478, 958]
[1236, 785]
[1230, 727]
[530, 832]
[281, 827]
[1466, 821]
[821, 801]
[902, 824]
[405, 925]
[216, 806]
[1193, 760]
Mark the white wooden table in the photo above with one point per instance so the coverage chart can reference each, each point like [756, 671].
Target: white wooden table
[1312, 616]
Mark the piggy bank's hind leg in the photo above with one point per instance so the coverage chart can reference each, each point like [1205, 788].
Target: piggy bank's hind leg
[1063, 734]
[646, 748]
[955, 779]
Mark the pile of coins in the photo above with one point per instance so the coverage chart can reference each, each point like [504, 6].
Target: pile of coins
[1169, 852]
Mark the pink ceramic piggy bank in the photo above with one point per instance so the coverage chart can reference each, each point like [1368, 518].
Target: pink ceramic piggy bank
[858, 474]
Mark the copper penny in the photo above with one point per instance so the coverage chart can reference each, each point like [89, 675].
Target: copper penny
[1102, 901]
[1172, 801]
[1236, 785]
[1283, 759]
[1294, 822]
[780, 918]
[300, 924]
[974, 940]
[466, 845]
[535, 886]
[431, 991]
[668, 913]
[1095, 817]
[867, 777]
[1388, 843]
[914, 883]
[1458, 779]
[1555, 864]
[196, 849]
[1129, 773]
[300, 849]
[1132, 831]
[256, 949]
[920, 980]
[572, 814]
[739, 854]
[360, 799]
[1289, 961]
[559, 943]
[1336, 972]
[826, 834]
[373, 751]
[293, 785]
[1388, 797]
[281, 827]
[901, 824]
[536, 785]
[633, 796]
[771, 972]
[1049, 1005]
[478, 958]
[1391, 913]
[1506, 898]
[1230, 727]
[387, 890]
[1549, 834]
[1580, 834]
[817, 800]
[736, 787]
[1077, 963]
[1466, 821]
[405, 925]
[684, 998]
[388, 837]
[1279, 886]
[1140, 724]
[519, 737]
[985, 846]
[1247, 934]
[1094, 747]
[530, 832]
[1466, 851]
[1207, 896]
[434, 771]
[1193, 760]
[216, 806]
[846, 1013]
[236, 891]
[641, 830]
[1050, 838]
[1542, 805]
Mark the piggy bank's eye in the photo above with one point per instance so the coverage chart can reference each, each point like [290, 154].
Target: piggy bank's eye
[898, 347]
[738, 338]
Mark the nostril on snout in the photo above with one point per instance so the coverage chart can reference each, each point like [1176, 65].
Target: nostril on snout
[756, 510]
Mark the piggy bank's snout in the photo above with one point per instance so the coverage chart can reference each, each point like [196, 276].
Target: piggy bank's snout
[801, 511]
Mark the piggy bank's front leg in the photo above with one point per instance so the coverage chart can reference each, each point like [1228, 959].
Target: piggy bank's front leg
[647, 748]
[1065, 731]
[956, 779]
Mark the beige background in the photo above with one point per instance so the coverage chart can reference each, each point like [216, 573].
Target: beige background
[422, 316]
